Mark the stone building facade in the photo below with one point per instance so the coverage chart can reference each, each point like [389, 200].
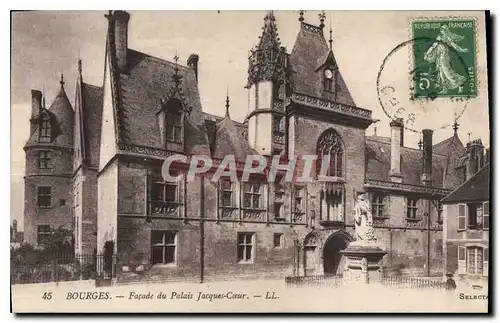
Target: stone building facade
[299, 104]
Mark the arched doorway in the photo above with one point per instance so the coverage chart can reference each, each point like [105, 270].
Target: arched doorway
[332, 258]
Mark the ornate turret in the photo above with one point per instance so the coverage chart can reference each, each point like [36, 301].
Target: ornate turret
[267, 84]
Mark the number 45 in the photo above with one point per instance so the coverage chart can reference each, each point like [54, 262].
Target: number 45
[47, 296]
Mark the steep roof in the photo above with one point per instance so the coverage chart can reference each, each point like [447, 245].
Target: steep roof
[92, 100]
[475, 189]
[451, 144]
[310, 52]
[61, 115]
[146, 83]
[378, 164]
[231, 138]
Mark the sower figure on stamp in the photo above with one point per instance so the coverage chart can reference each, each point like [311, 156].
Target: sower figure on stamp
[439, 53]
[363, 221]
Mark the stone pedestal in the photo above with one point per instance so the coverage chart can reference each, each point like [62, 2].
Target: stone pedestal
[363, 262]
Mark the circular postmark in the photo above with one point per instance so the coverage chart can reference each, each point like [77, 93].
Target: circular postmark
[425, 81]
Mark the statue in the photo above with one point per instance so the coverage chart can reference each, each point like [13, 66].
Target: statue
[363, 221]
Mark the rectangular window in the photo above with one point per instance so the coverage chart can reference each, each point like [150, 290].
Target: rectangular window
[43, 234]
[411, 208]
[486, 215]
[164, 196]
[474, 215]
[44, 159]
[252, 196]
[174, 127]
[45, 130]
[277, 237]
[462, 216]
[378, 204]
[44, 196]
[163, 247]
[474, 260]
[246, 241]
[227, 194]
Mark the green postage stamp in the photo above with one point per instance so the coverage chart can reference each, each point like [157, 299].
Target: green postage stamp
[444, 58]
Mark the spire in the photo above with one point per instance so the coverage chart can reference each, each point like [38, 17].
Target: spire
[62, 80]
[331, 38]
[43, 98]
[79, 66]
[455, 125]
[420, 143]
[227, 104]
[322, 18]
[269, 36]
[301, 15]
[176, 77]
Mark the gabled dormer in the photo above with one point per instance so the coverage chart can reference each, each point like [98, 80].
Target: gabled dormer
[172, 114]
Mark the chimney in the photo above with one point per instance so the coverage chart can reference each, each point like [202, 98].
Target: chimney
[427, 157]
[487, 156]
[119, 21]
[192, 62]
[396, 138]
[475, 152]
[36, 107]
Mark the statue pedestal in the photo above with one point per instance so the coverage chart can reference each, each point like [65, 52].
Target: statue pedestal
[363, 262]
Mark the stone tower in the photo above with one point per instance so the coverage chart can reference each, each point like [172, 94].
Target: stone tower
[49, 167]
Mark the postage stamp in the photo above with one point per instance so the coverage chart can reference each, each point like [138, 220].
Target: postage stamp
[444, 58]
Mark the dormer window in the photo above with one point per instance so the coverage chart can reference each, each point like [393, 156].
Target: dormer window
[174, 125]
[329, 79]
[45, 129]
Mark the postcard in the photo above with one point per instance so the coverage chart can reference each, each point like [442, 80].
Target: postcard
[250, 161]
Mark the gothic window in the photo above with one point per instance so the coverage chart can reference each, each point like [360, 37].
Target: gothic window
[332, 206]
[45, 129]
[330, 147]
[299, 200]
[174, 124]
[279, 193]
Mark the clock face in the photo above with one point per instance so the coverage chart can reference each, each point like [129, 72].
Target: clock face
[328, 74]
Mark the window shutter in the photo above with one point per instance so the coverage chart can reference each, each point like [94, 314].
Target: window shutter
[485, 261]
[462, 209]
[461, 259]
[486, 215]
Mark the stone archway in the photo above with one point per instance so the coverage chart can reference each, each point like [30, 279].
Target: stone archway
[333, 261]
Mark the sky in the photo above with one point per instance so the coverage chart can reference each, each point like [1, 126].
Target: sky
[48, 43]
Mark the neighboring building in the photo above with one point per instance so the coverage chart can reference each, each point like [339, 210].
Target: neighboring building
[16, 237]
[62, 155]
[299, 104]
[467, 224]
